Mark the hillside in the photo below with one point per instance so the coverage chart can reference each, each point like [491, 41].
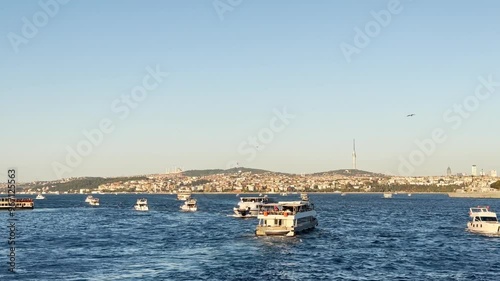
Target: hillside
[85, 183]
[350, 173]
[201, 173]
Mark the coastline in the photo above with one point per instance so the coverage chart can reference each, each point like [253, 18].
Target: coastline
[235, 193]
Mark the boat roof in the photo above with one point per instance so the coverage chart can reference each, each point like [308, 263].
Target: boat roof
[288, 203]
[254, 198]
[481, 211]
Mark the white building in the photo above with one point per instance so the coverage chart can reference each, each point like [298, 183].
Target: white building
[493, 173]
[474, 170]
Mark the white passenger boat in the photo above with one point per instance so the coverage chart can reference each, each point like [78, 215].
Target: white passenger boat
[248, 207]
[190, 205]
[387, 195]
[183, 194]
[40, 196]
[141, 205]
[89, 198]
[286, 218]
[483, 221]
[94, 202]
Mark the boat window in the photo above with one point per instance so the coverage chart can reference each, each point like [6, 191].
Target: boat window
[476, 219]
[488, 219]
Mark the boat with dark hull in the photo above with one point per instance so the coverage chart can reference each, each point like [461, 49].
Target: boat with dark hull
[21, 203]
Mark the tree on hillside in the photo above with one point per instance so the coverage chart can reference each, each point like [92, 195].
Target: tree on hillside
[496, 185]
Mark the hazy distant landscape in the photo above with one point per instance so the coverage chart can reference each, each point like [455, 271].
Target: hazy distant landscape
[241, 180]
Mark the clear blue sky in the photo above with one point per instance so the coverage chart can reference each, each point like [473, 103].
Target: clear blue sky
[227, 76]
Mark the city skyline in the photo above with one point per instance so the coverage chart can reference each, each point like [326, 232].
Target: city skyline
[145, 86]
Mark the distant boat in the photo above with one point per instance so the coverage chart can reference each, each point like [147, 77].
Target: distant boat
[248, 207]
[183, 194]
[141, 205]
[189, 205]
[40, 196]
[387, 195]
[483, 221]
[89, 198]
[94, 202]
[21, 203]
[409, 194]
[343, 194]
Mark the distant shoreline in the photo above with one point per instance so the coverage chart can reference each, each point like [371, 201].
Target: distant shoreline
[233, 193]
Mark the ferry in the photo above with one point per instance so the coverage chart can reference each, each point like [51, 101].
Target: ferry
[286, 218]
[89, 198]
[40, 196]
[94, 202]
[248, 207]
[21, 203]
[483, 221]
[141, 205]
[184, 194]
[190, 205]
[387, 195]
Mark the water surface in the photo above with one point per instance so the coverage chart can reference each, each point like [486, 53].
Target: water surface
[360, 237]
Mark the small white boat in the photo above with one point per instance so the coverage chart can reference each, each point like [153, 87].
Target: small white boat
[40, 196]
[89, 198]
[483, 221]
[94, 202]
[248, 207]
[343, 194]
[409, 194]
[141, 205]
[387, 195]
[190, 205]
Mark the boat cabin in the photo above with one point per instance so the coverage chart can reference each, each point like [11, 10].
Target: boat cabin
[255, 199]
[290, 208]
[479, 213]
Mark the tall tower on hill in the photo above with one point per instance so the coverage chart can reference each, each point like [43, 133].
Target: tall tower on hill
[354, 154]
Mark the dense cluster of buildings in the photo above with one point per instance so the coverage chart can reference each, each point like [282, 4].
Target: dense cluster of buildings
[277, 183]
[249, 181]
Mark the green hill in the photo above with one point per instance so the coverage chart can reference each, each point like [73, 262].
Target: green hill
[201, 173]
[350, 172]
[85, 183]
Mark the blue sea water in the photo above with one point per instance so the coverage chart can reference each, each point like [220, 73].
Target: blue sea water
[359, 237]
